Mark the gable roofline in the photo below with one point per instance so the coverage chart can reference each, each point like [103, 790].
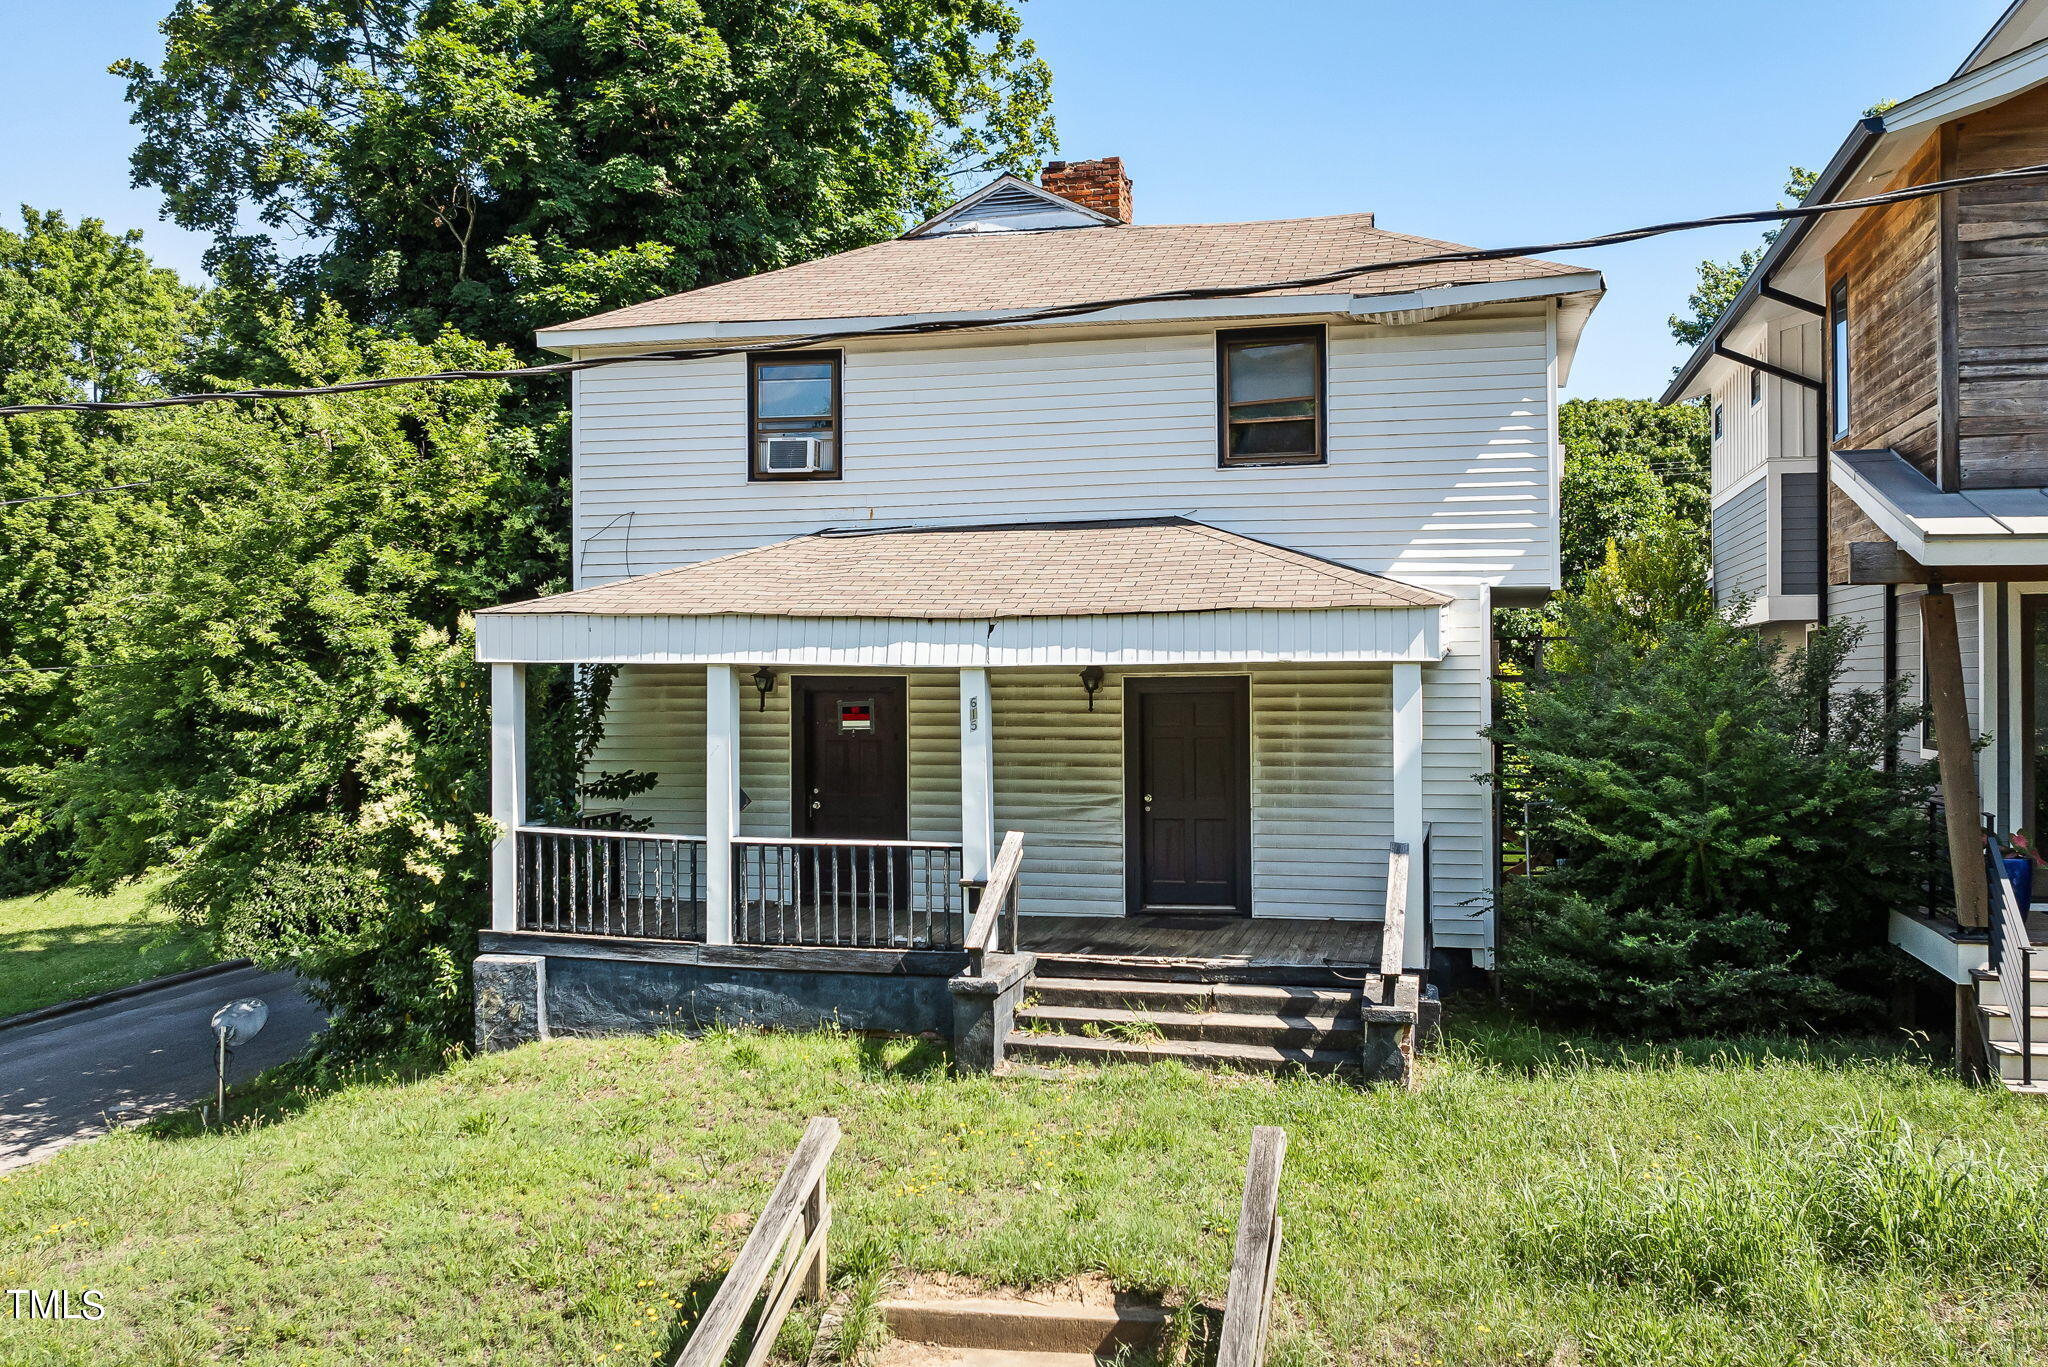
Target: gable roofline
[1833, 177]
[1010, 182]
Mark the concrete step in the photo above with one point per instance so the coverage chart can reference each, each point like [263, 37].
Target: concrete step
[1219, 1027]
[1022, 1329]
[1029, 1048]
[1136, 994]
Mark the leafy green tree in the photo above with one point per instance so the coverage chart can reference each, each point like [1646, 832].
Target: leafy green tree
[284, 710]
[1729, 839]
[1721, 281]
[1627, 463]
[83, 315]
[502, 164]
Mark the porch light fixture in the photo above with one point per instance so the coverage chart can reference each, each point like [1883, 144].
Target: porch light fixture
[764, 684]
[1091, 680]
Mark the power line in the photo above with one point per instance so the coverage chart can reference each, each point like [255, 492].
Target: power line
[1461, 257]
[81, 493]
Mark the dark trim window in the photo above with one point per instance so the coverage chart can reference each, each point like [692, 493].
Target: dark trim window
[793, 428]
[1838, 356]
[1720, 425]
[1756, 388]
[1270, 396]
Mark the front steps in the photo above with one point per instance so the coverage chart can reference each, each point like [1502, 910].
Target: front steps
[1250, 1026]
[2011, 1048]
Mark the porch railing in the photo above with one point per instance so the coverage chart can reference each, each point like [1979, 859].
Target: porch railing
[869, 894]
[606, 882]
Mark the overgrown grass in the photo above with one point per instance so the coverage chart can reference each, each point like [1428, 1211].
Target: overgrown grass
[58, 945]
[1539, 1200]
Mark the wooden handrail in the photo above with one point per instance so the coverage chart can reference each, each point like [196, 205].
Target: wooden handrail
[1394, 931]
[798, 1206]
[598, 833]
[998, 900]
[1248, 1306]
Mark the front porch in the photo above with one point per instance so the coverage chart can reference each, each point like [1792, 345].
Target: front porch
[1212, 752]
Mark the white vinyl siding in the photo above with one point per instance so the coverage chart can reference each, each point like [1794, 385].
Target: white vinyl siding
[1321, 782]
[1439, 470]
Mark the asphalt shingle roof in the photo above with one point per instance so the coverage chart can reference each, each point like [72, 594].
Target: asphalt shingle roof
[1070, 569]
[970, 272]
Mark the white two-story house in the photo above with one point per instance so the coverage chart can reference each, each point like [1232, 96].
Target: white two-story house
[1191, 595]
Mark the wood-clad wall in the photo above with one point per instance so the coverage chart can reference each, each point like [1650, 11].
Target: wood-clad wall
[2001, 272]
[1892, 261]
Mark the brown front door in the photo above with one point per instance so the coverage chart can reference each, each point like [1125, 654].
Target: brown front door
[849, 768]
[1189, 764]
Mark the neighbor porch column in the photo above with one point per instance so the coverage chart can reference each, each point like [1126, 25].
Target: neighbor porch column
[508, 789]
[1961, 804]
[721, 797]
[1409, 825]
[977, 777]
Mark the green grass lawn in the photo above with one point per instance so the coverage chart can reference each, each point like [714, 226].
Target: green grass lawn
[59, 945]
[1539, 1200]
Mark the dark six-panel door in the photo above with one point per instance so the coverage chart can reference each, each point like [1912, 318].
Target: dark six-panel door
[1188, 763]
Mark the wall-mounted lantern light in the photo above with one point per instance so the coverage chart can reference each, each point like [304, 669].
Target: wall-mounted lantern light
[1091, 680]
[764, 684]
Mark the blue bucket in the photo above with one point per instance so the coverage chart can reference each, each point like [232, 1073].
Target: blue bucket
[2020, 873]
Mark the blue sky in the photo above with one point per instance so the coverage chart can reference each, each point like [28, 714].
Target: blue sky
[1489, 122]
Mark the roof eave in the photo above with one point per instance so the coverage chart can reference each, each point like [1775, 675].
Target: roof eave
[1832, 178]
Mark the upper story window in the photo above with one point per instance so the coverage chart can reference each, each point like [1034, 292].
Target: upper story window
[1720, 426]
[793, 415]
[1270, 396]
[1756, 387]
[1838, 356]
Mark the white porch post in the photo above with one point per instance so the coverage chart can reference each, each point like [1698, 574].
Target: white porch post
[977, 777]
[508, 789]
[721, 797]
[1408, 813]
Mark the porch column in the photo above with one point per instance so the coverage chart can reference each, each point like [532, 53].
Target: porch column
[1960, 800]
[977, 777]
[1409, 825]
[508, 789]
[721, 797]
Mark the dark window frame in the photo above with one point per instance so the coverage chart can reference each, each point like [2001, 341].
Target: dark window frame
[1720, 422]
[835, 359]
[1230, 337]
[1756, 388]
[1840, 379]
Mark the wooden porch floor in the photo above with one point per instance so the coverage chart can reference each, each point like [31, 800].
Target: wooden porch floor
[1226, 946]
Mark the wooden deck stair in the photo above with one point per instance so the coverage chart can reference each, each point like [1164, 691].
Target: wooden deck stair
[2010, 1047]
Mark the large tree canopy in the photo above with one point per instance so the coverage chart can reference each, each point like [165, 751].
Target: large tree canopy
[83, 315]
[1627, 464]
[502, 164]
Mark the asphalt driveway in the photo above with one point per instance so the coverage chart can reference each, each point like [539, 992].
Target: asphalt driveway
[82, 1074]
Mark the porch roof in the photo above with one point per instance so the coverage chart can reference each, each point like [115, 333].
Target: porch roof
[1132, 592]
[996, 572]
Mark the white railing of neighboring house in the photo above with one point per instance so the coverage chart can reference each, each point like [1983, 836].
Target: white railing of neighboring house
[2012, 956]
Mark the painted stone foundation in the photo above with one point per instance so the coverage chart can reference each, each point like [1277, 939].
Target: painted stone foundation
[617, 997]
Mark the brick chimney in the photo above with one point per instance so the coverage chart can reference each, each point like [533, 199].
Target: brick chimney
[1100, 185]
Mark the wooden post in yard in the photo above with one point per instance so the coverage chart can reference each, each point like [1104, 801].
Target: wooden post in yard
[1943, 653]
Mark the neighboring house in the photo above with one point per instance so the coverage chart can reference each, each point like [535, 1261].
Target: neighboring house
[1193, 596]
[1879, 393]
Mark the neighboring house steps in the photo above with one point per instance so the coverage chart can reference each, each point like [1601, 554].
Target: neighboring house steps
[2018, 1057]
